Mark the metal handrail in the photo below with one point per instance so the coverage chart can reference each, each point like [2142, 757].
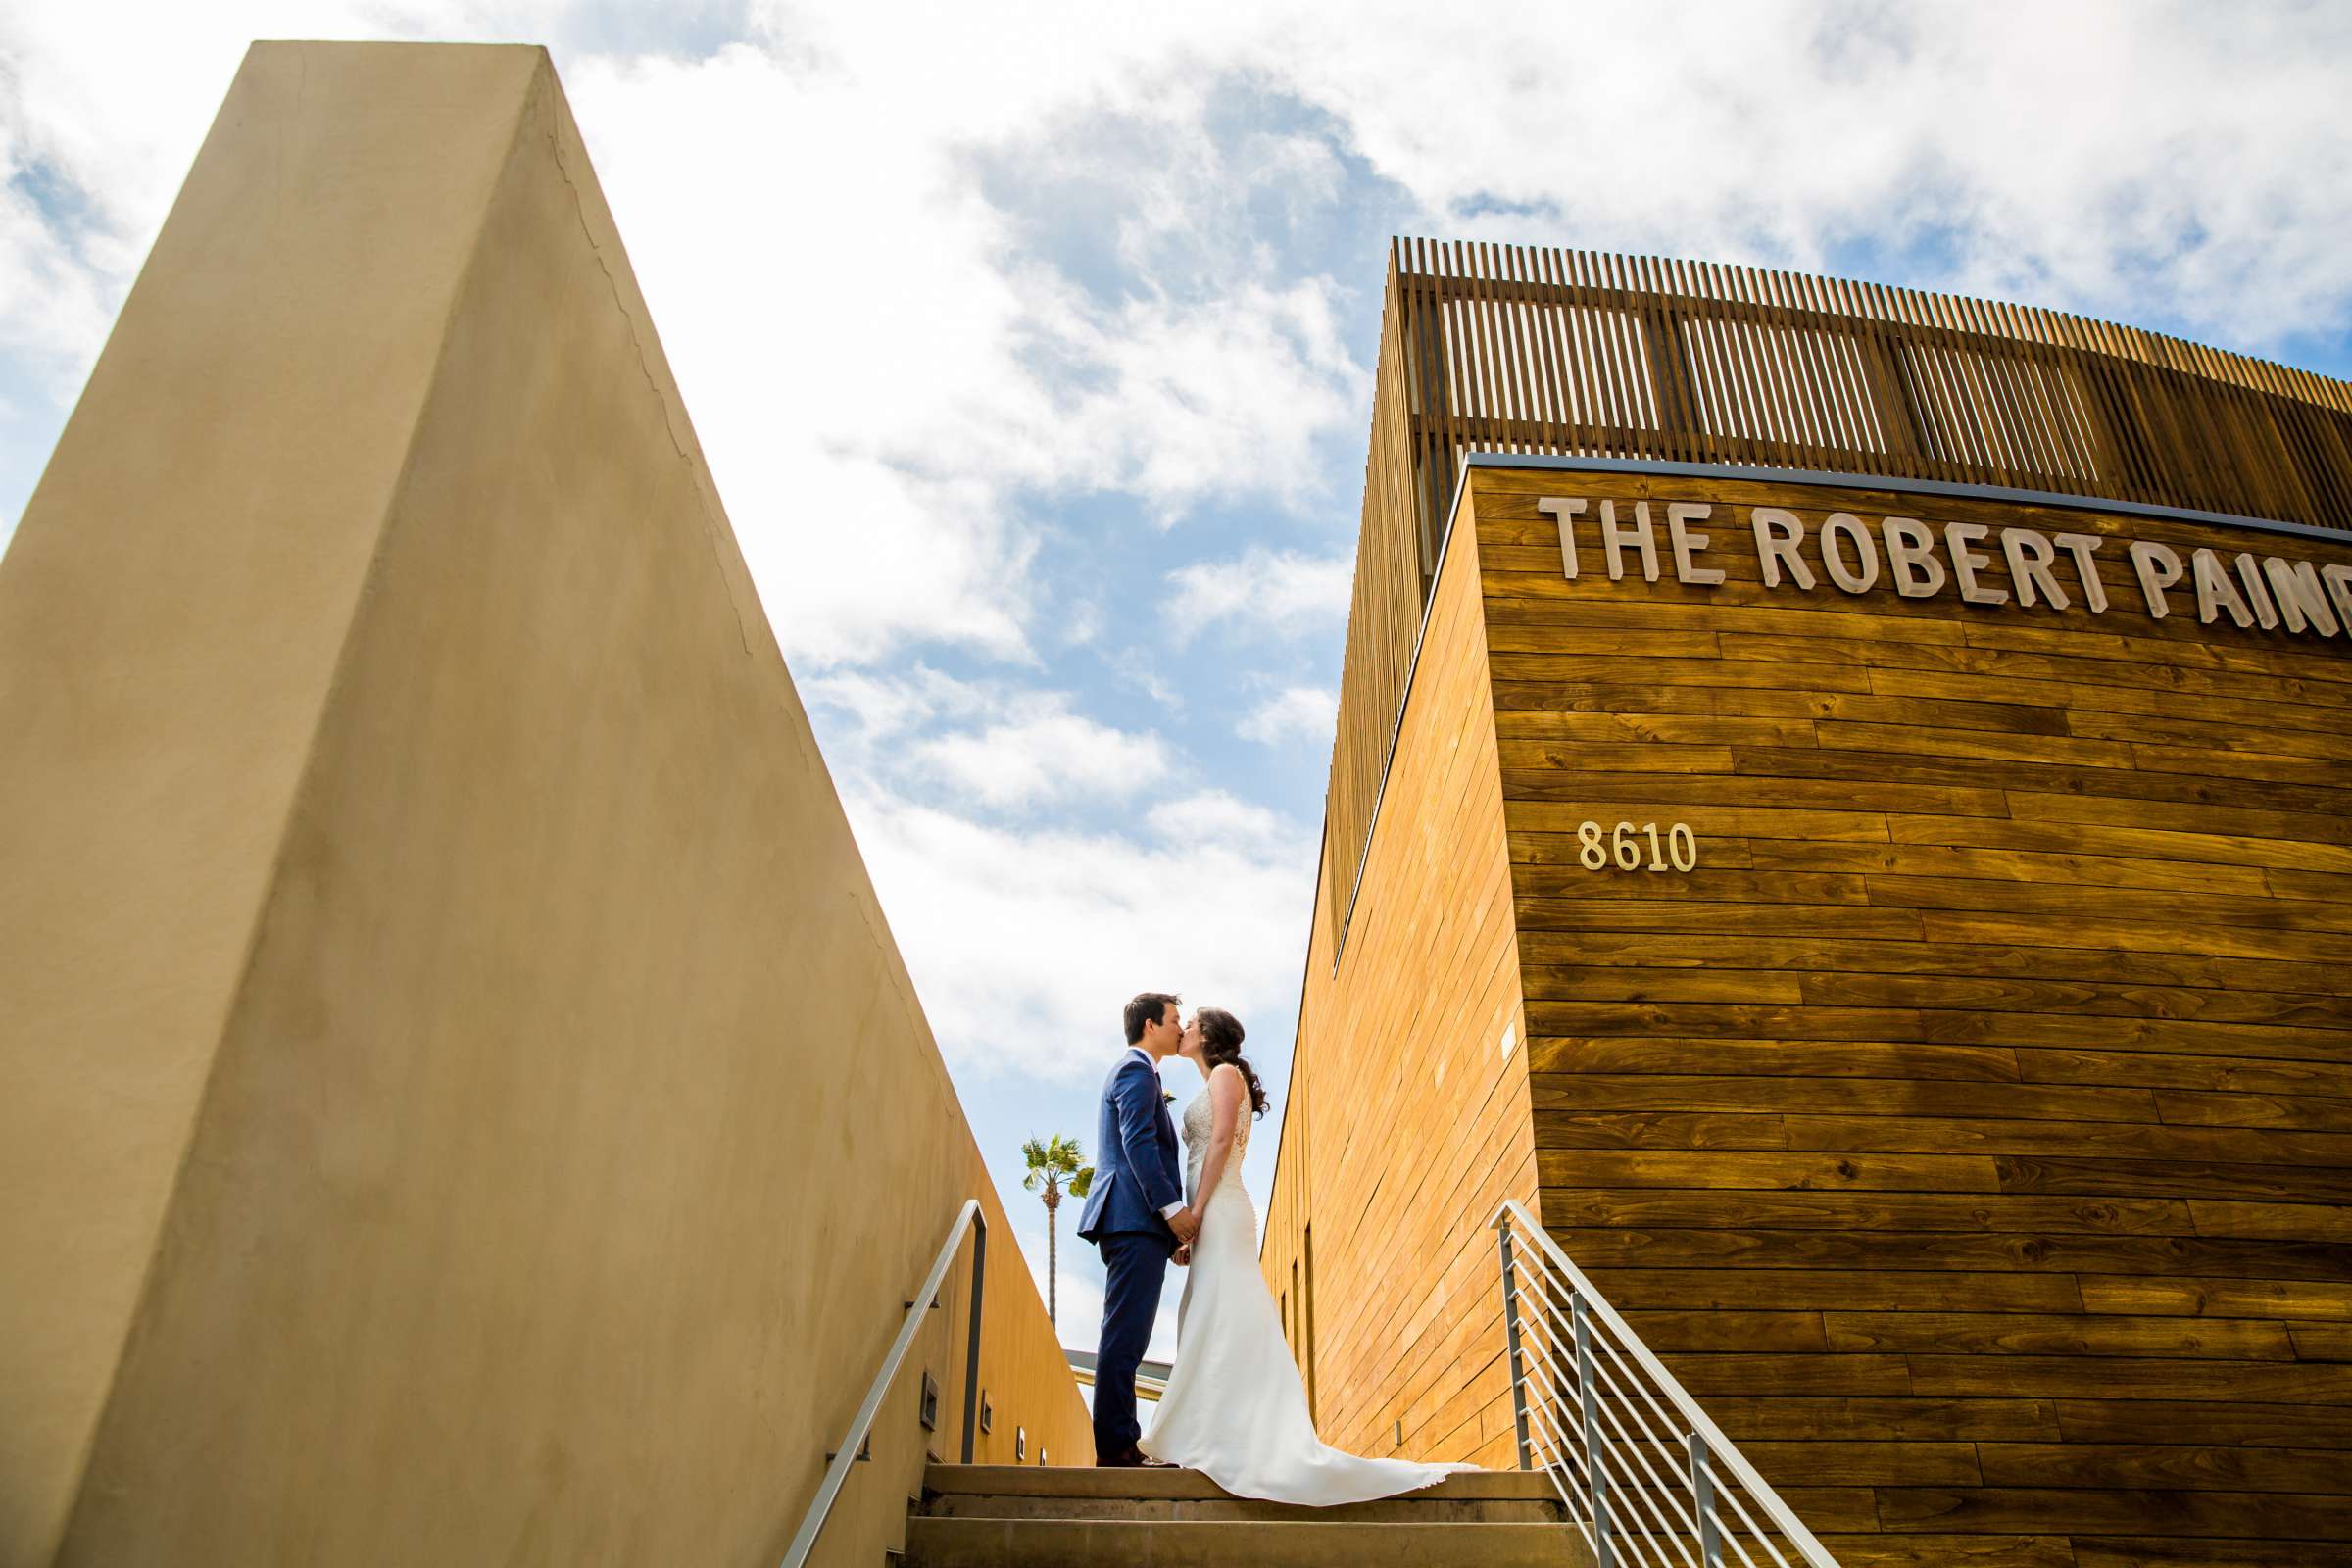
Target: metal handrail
[1579, 1399]
[837, 1469]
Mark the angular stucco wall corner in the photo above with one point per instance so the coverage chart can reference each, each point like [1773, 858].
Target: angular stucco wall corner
[454, 1041]
[171, 610]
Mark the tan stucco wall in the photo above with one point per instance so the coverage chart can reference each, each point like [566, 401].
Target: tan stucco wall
[464, 1100]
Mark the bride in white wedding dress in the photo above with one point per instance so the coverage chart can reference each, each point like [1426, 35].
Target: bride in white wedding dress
[1234, 1409]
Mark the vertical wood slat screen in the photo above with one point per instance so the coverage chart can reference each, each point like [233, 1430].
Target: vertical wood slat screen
[1499, 348]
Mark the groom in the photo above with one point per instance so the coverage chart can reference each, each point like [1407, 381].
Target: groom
[1135, 1213]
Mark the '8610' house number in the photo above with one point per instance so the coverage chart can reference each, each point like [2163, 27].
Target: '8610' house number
[1628, 848]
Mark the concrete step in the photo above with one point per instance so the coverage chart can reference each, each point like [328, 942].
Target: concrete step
[1007, 1492]
[1175, 1485]
[1387, 1510]
[948, 1542]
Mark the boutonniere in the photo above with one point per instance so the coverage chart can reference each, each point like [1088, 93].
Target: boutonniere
[1167, 1097]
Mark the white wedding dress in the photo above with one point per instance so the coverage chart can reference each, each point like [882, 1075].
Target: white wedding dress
[1234, 1409]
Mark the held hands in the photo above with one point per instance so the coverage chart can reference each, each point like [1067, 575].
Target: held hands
[1187, 1226]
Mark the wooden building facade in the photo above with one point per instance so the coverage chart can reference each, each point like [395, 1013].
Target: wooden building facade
[1775, 834]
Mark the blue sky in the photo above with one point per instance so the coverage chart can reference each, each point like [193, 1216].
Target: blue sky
[1032, 349]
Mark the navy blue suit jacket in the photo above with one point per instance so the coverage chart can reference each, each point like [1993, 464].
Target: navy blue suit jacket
[1136, 1174]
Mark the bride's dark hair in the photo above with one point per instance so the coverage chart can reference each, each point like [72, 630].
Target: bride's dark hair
[1221, 1043]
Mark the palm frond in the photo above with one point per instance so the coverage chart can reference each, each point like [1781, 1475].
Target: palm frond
[1053, 1159]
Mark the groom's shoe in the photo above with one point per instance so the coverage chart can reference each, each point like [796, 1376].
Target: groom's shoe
[1133, 1459]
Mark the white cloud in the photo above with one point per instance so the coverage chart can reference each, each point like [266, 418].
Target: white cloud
[845, 221]
[1217, 816]
[1306, 713]
[2202, 171]
[1025, 932]
[886, 706]
[991, 743]
[886, 381]
[53, 307]
[1262, 591]
[1047, 756]
[1211, 400]
[1024, 941]
[1136, 669]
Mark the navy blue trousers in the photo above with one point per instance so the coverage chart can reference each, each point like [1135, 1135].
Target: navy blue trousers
[1137, 1265]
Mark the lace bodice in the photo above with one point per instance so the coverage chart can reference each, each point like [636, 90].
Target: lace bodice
[1200, 1118]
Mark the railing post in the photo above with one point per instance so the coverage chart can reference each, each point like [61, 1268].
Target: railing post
[1510, 1320]
[1588, 1394]
[971, 1354]
[1702, 1497]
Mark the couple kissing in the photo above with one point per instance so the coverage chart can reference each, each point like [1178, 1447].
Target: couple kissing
[1235, 1407]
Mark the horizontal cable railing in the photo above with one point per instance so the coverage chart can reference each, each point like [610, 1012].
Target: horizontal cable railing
[1649, 1478]
[853, 1442]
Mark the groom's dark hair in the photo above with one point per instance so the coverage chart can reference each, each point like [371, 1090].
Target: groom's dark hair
[1147, 1008]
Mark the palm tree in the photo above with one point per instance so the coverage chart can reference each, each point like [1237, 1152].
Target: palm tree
[1052, 1162]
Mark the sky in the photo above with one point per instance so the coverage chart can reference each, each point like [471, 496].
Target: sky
[1031, 347]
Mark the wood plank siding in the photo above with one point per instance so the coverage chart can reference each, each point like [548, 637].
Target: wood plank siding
[1406, 1124]
[1510, 349]
[1971, 1130]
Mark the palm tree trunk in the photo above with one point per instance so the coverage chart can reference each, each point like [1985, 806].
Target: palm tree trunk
[1052, 1266]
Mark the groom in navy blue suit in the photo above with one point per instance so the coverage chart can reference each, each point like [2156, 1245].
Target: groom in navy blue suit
[1135, 1213]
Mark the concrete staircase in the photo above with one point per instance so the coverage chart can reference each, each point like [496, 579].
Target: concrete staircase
[999, 1516]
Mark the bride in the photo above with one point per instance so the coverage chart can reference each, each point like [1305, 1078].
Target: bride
[1234, 1409]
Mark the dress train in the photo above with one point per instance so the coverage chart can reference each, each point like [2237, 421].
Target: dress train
[1234, 1409]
